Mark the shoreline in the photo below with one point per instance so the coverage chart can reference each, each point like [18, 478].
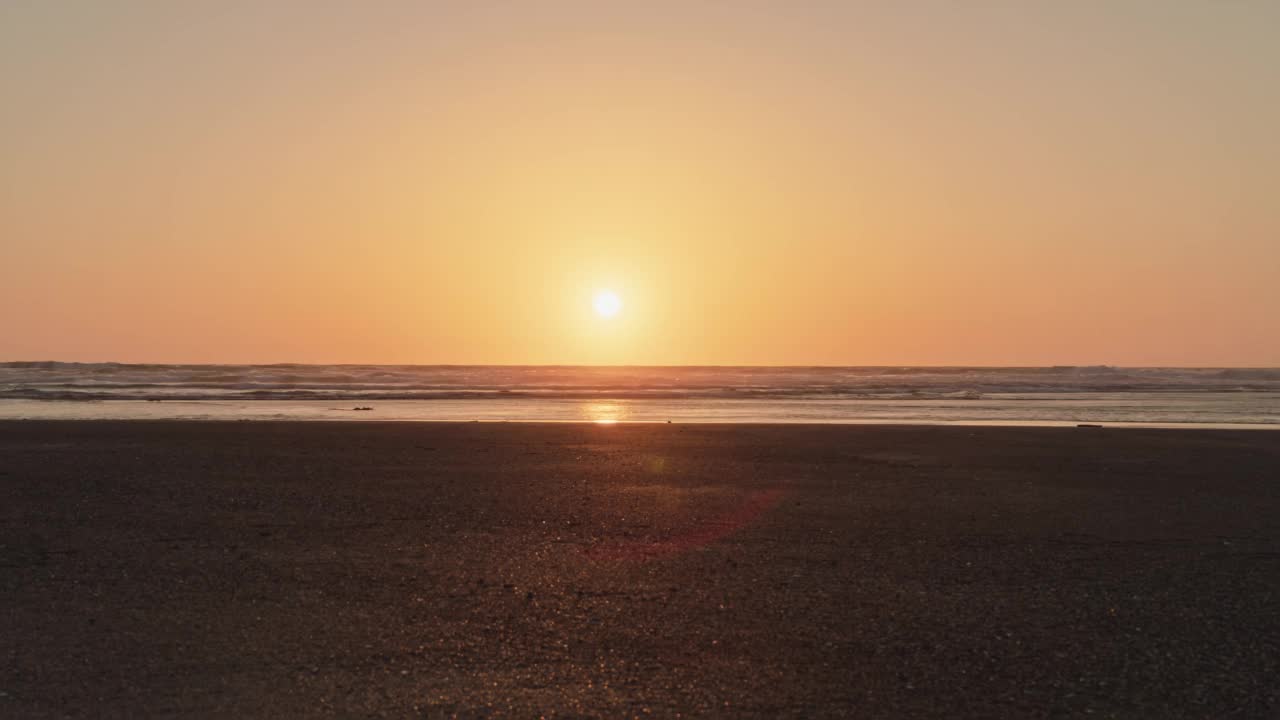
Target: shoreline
[1011, 424]
[844, 413]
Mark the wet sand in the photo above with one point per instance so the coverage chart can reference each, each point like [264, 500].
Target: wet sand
[354, 569]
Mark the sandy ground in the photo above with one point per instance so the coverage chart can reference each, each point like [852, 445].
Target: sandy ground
[293, 569]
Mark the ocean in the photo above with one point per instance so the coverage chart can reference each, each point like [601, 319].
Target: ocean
[1218, 397]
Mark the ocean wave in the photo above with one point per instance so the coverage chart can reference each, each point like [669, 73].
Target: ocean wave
[105, 381]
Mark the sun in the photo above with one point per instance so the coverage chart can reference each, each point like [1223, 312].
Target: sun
[607, 303]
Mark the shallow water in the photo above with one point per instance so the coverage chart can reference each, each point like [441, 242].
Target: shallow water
[1180, 409]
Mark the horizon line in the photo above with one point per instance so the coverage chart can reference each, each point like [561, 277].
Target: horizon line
[641, 365]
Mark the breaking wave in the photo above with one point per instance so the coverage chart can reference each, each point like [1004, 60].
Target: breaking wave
[111, 381]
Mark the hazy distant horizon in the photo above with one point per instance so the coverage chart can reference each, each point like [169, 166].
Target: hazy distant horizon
[10, 363]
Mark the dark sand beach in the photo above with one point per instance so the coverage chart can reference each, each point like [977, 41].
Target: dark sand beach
[334, 569]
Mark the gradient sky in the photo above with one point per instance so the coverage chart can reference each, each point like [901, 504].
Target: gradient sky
[1002, 183]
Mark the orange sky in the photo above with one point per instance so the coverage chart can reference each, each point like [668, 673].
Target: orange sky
[817, 183]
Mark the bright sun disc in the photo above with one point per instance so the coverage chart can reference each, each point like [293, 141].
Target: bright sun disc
[607, 304]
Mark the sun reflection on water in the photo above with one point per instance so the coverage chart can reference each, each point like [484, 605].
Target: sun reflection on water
[605, 412]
